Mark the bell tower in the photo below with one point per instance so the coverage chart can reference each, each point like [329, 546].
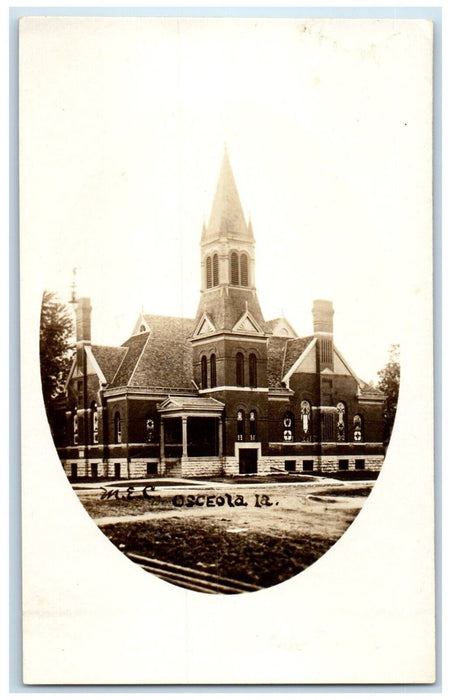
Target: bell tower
[229, 321]
[227, 257]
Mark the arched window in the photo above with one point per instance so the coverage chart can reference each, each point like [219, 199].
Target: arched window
[305, 419]
[94, 423]
[142, 328]
[244, 281]
[215, 270]
[341, 422]
[209, 275]
[239, 369]
[252, 370]
[150, 429]
[234, 271]
[213, 370]
[240, 425]
[75, 425]
[288, 427]
[117, 428]
[203, 372]
[357, 432]
[252, 425]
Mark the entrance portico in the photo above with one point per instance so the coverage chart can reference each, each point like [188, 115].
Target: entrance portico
[191, 428]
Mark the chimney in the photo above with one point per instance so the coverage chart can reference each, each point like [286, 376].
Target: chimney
[323, 316]
[83, 320]
[323, 326]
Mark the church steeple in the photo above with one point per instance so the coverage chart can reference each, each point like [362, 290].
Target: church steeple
[227, 217]
[229, 331]
[228, 257]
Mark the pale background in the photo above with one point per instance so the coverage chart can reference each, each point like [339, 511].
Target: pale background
[323, 128]
[328, 127]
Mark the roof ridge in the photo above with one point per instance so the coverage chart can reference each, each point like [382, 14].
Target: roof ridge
[181, 318]
[302, 337]
[110, 347]
[129, 381]
[284, 356]
[120, 364]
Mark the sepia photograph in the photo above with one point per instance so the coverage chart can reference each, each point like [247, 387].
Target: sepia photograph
[226, 280]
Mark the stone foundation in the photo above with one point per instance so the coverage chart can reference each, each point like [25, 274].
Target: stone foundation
[199, 467]
[307, 464]
[85, 469]
[113, 469]
[334, 463]
[230, 466]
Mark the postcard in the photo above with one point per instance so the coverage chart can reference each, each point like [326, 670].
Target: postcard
[226, 350]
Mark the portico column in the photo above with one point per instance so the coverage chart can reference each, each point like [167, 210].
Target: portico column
[184, 436]
[220, 437]
[162, 456]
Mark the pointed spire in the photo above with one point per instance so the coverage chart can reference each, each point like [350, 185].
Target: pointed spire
[227, 218]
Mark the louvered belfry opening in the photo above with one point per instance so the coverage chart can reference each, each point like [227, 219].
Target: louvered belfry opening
[215, 270]
[244, 270]
[209, 272]
[234, 270]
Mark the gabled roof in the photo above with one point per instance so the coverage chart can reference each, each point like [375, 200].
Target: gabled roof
[247, 324]
[282, 354]
[295, 348]
[158, 324]
[192, 404]
[276, 357]
[108, 359]
[134, 347]
[227, 216]
[276, 325]
[162, 357]
[204, 326]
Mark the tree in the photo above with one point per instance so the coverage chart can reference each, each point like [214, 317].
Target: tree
[389, 385]
[56, 341]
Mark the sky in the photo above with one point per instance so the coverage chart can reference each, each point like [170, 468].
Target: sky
[327, 124]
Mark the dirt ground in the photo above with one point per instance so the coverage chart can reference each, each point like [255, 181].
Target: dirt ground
[262, 534]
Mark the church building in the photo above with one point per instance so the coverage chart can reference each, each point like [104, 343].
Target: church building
[224, 393]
